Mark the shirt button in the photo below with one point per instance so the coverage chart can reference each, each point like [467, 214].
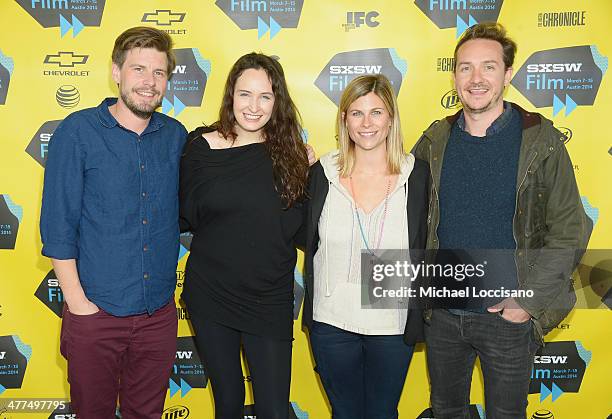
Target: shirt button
[144, 222]
[146, 276]
[142, 167]
[145, 248]
[144, 194]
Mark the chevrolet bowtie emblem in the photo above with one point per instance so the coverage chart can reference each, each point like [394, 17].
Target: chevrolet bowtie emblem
[66, 59]
[163, 17]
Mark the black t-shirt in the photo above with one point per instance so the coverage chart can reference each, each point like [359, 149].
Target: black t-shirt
[240, 269]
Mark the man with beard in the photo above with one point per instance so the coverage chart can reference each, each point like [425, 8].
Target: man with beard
[501, 179]
[109, 223]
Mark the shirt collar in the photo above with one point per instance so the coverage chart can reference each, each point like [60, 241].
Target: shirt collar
[497, 125]
[109, 121]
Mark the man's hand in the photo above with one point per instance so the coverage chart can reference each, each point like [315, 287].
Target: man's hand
[312, 158]
[510, 310]
[83, 308]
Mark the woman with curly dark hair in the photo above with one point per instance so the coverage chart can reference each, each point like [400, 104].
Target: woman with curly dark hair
[242, 184]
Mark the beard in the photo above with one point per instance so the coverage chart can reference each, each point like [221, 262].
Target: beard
[141, 110]
[483, 108]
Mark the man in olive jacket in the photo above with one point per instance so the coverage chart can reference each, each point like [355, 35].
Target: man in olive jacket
[500, 179]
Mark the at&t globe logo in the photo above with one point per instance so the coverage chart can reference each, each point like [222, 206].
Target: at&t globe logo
[67, 96]
[543, 414]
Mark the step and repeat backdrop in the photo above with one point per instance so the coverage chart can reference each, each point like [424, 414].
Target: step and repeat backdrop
[55, 59]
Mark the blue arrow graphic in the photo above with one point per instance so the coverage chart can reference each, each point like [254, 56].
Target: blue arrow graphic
[77, 26]
[166, 105]
[262, 27]
[556, 392]
[274, 27]
[570, 105]
[185, 388]
[174, 388]
[461, 26]
[472, 21]
[544, 392]
[64, 25]
[178, 106]
[557, 104]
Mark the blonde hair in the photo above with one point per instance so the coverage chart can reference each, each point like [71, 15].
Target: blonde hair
[358, 87]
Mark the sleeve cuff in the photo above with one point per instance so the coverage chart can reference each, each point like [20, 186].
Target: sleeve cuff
[60, 251]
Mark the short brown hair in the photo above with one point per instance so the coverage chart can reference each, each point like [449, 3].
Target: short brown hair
[494, 32]
[144, 37]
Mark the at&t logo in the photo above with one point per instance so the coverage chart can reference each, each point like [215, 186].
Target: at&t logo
[543, 414]
[67, 96]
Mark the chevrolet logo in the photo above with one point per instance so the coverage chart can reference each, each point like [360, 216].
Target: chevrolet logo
[66, 59]
[163, 17]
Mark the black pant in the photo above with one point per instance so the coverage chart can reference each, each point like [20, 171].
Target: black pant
[269, 362]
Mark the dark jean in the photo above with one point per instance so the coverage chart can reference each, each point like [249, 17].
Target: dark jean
[129, 357]
[506, 352]
[363, 375]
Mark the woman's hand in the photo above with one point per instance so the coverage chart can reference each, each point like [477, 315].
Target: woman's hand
[312, 158]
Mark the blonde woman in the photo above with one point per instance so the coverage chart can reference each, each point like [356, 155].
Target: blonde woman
[367, 195]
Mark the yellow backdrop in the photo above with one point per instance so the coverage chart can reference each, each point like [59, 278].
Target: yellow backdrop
[55, 59]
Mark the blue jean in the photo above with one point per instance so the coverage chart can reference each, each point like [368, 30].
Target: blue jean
[506, 353]
[363, 375]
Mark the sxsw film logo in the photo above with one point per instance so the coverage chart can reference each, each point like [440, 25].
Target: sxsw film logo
[65, 63]
[14, 358]
[6, 70]
[476, 411]
[263, 15]
[39, 145]
[542, 414]
[559, 368]
[65, 14]
[357, 19]
[165, 18]
[11, 215]
[175, 412]
[460, 14]
[562, 77]
[187, 371]
[450, 100]
[188, 81]
[345, 66]
[250, 412]
[50, 293]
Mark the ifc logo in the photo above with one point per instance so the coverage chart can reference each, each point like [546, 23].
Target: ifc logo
[450, 100]
[543, 414]
[175, 412]
[67, 96]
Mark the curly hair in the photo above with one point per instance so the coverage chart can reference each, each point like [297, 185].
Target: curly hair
[282, 133]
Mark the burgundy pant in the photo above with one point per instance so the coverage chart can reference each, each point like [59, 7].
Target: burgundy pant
[126, 357]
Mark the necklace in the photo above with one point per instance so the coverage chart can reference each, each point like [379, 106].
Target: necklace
[382, 224]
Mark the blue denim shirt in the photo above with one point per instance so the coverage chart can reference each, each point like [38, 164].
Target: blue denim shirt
[110, 201]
